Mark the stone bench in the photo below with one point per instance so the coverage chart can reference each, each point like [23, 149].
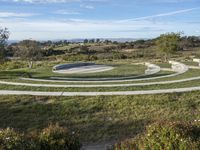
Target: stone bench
[152, 69]
[178, 67]
[197, 60]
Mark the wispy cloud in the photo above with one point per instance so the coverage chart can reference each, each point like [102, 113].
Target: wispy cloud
[44, 1]
[14, 14]
[162, 14]
[87, 6]
[56, 1]
[67, 12]
[51, 29]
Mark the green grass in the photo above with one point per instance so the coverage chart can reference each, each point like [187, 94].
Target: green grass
[98, 118]
[190, 63]
[191, 73]
[124, 67]
[44, 70]
[103, 89]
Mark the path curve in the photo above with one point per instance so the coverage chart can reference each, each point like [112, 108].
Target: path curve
[145, 92]
[99, 85]
[80, 68]
[179, 68]
[151, 69]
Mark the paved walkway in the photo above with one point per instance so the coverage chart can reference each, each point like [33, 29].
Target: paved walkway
[85, 69]
[151, 70]
[99, 85]
[179, 68]
[143, 92]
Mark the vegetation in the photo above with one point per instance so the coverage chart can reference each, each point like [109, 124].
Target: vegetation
[29, 50]
[168, 43]
[53, 137]
[165, 135]
[4, 35]
[96, 49]
[173, 118]
[97, 118]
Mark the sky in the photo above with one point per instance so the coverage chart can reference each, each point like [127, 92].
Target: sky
[70, 19]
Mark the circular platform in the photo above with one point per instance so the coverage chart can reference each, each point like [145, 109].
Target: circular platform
[80, 68]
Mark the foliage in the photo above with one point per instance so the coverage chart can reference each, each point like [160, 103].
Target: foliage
[4, 35]
[29, 50]
[8, 65]
[53, 137]
[165, 135]
[10, 140]
[57, 138]
[168, 43]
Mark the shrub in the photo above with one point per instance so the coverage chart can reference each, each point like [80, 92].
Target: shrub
[8, 65]
[10, 140]
[169, 136]
[55, 137]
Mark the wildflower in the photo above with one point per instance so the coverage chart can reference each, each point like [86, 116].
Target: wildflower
[8, 138]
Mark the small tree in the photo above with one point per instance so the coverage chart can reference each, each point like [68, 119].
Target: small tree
[86, 41]
[98, 40]
[4, 35]
[168, 43]
[30, 51]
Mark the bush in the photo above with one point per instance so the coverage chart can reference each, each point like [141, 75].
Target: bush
[159, 136]
[10, 140]
[8, 65]
[55, 137]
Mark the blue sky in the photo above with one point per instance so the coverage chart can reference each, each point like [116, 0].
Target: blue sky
[67, 19]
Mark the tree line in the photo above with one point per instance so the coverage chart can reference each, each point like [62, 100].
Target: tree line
[31, 50]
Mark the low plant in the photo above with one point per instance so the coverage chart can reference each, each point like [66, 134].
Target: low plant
[55, 137]
[10, 140]
[164, 135]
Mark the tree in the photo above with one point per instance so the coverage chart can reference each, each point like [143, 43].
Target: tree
[91, 40]
[86, 41]
[168, 43]
[30, 51]
[98, 40]
[4, 35]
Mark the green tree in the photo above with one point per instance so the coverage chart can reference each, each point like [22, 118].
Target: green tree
[98, 40]
[30, 51]
[91, 40]
[86, 41]
[4, 35]
[168, 43]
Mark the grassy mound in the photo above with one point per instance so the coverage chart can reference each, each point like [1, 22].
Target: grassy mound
[165, 135]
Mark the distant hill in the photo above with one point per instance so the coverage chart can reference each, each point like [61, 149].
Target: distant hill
[81, 40]
[12, 41]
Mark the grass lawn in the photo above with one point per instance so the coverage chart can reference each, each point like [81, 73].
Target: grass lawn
[98, 118]
[44, 70]
[103, 89]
